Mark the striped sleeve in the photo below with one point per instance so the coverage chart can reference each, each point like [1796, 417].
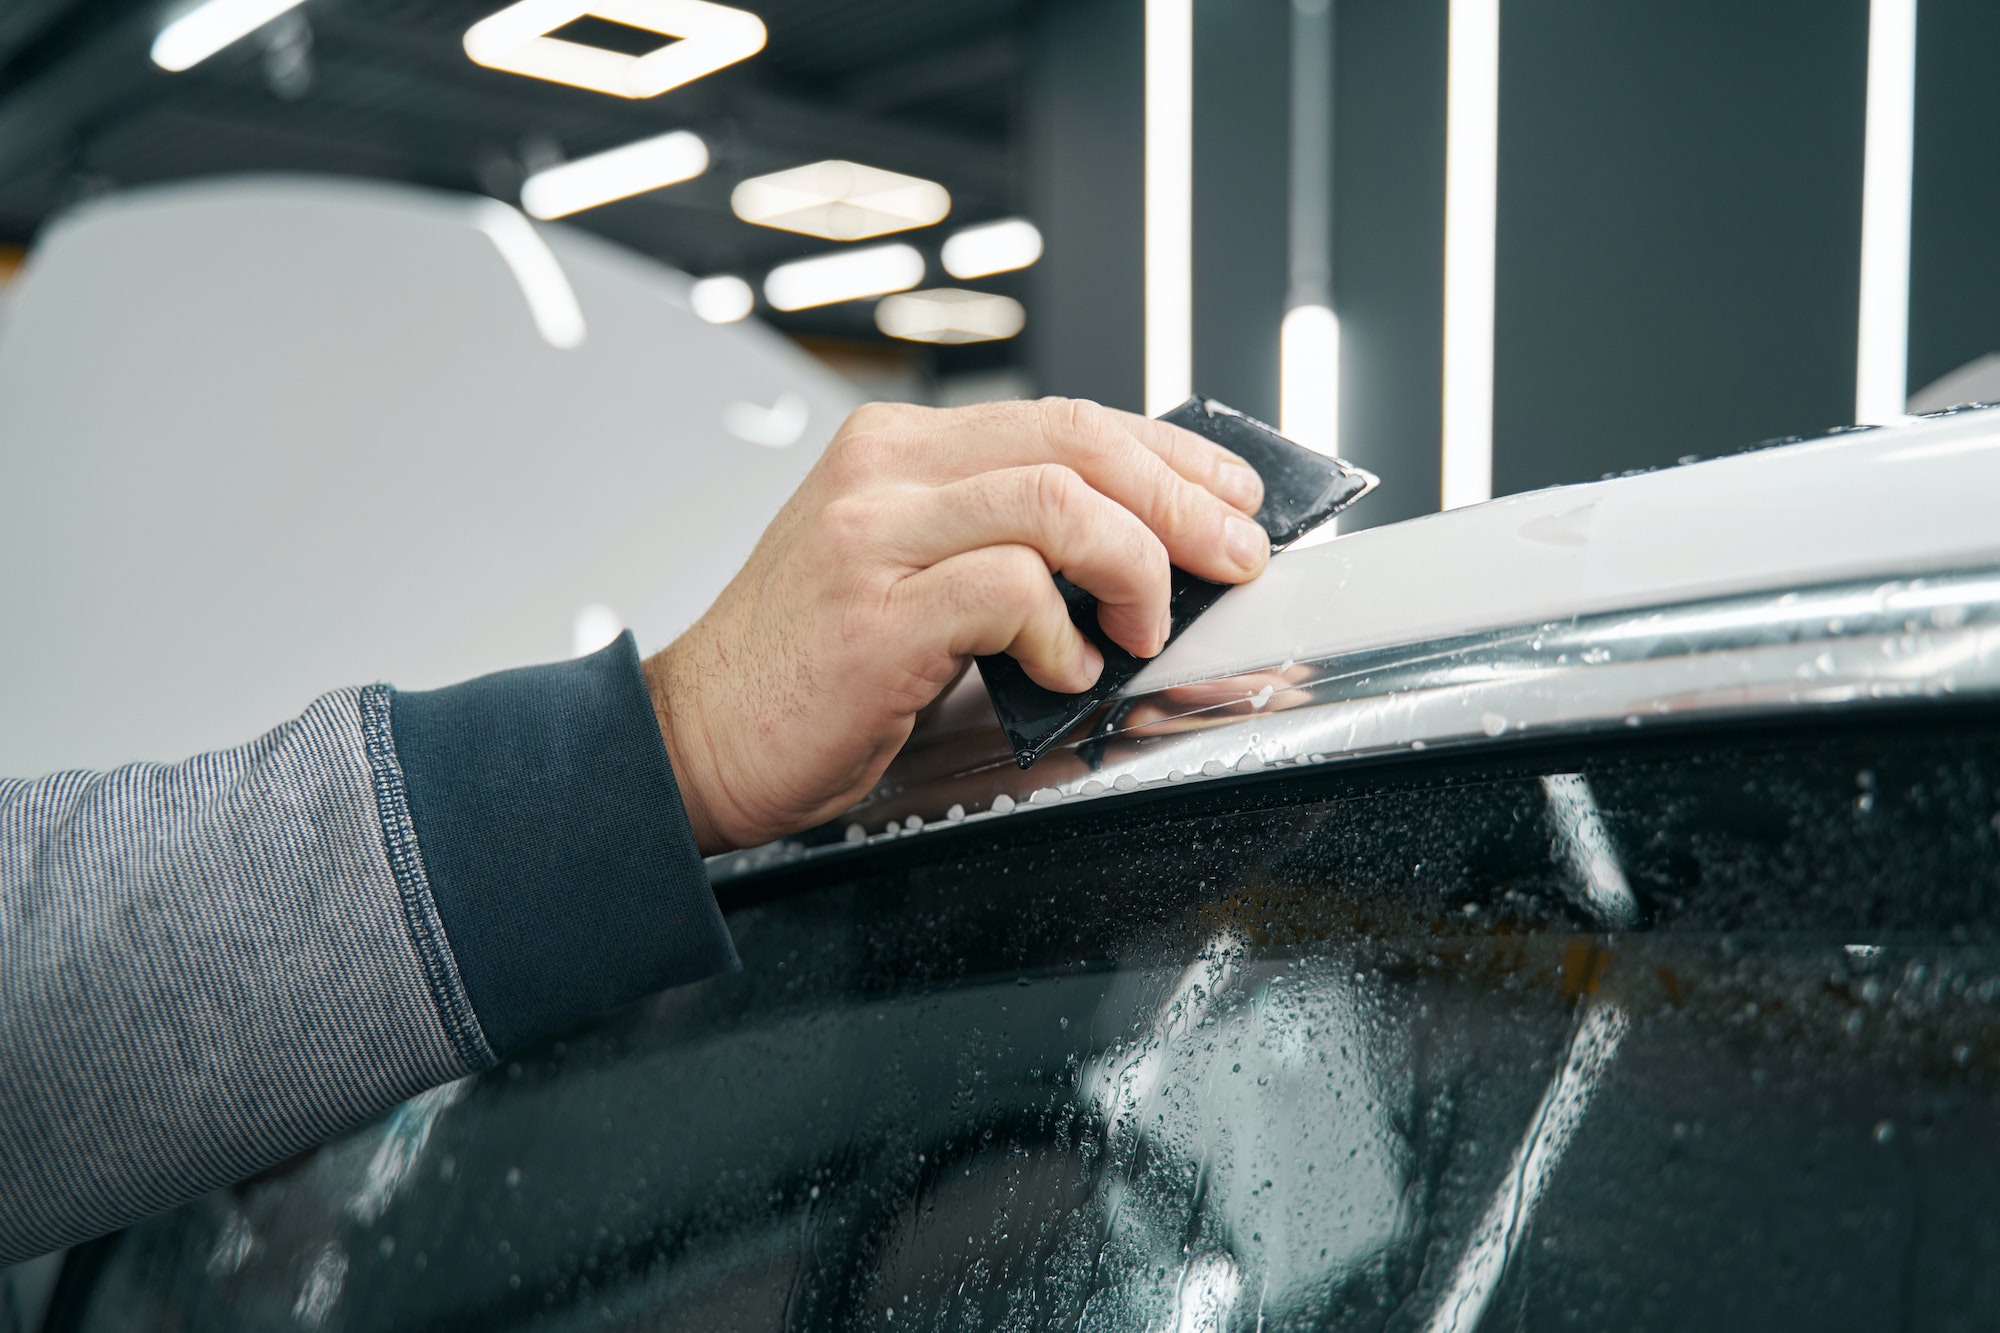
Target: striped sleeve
[207, 967]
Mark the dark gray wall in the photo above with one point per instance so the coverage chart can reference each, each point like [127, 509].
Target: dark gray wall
[1242, 110]
[1679, 229]
[1955, 207]
[1085, 152]
[1388, 246]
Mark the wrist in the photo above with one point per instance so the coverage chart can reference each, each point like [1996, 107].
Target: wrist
[675, 697]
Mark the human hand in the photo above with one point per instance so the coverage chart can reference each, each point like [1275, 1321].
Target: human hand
[921, 537]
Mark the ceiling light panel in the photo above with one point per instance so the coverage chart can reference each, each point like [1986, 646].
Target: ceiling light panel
[840, 201]
[850, 275]
[637, 167]
[700, 38]
[995, 247]
[948, 315]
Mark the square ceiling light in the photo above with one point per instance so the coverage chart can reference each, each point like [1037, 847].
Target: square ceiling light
[841, 201]
[949, 315]
[700, 38]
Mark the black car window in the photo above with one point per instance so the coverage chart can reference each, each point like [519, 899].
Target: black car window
[1667, 1033]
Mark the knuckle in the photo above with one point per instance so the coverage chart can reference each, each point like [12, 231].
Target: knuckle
[1074, 427]
[848, 526]
[1020, 580]
[871, 417]
[1181, 505]
[1056, 493]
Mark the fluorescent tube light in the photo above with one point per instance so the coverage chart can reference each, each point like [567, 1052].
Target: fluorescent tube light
[201, 32]
[701, 38]
[848, 275]
[840, 201]
[551, 300]
[1471, 192]
[995, 247]
[1881, 362]
[1309, 378]
[637, 167]
[1169, 204]
[949, 315]
[722, 299]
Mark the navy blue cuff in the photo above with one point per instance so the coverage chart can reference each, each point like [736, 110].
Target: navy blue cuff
[555, 842]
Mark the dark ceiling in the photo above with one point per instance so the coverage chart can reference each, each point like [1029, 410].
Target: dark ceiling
[383, 89]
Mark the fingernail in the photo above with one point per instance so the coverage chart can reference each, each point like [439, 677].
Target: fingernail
[1166, 631]
[1246, 543]
[1093, 664]
[1239, 484]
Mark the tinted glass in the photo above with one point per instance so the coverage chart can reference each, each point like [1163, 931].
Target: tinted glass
[1695, 1033]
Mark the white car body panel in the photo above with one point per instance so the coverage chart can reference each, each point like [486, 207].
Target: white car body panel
[265, 437]
[1889, 502]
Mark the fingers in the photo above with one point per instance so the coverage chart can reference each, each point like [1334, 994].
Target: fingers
[1000, 599]
[1201, 461]
[1202, 533]
[1186, 489]
[1094, 542]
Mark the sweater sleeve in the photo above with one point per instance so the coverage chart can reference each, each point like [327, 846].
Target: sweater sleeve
[207, 967]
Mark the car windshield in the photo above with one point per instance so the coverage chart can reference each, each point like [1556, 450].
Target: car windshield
[1694, 1030]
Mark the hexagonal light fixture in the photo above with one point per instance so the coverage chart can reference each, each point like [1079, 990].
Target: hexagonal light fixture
[950, 315]
[701, 38]
[840, 201]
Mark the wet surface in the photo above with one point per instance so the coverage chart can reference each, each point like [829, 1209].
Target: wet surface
[1661, 1034]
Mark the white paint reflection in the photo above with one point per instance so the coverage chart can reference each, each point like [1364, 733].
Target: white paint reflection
[1250, 1113]
[403, 1142]
[1120, 1091]
[552, 302]
[1209, 1288]
[1484, 1262]
[321, 1288]
[1597, 881]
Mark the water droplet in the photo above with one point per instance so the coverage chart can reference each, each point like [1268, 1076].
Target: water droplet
[1002, 804]
[1885, 1131]
[813, 1192]
[855, 833]
[1092, 787]
[1261, 697]
[1864, 802]
[1250, 763]
[1045, 796]
[913, 823]
[1213, 769]
[956, 813]
[1417, 745]
[1126, 782]
[1492, 724]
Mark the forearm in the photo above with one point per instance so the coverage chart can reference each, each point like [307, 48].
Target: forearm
[208, 966]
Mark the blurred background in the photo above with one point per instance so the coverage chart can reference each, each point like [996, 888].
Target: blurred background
[1476, 246]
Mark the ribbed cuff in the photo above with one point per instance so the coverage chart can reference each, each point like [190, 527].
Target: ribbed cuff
[555, 842]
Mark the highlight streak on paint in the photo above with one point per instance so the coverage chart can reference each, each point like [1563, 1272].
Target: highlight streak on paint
[1598, 884]
[551, 300]
[1484, 1262]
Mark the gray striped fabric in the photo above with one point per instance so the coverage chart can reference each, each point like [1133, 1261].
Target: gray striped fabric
[210, 966]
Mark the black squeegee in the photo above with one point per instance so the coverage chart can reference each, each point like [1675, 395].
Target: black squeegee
[1302, 490]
